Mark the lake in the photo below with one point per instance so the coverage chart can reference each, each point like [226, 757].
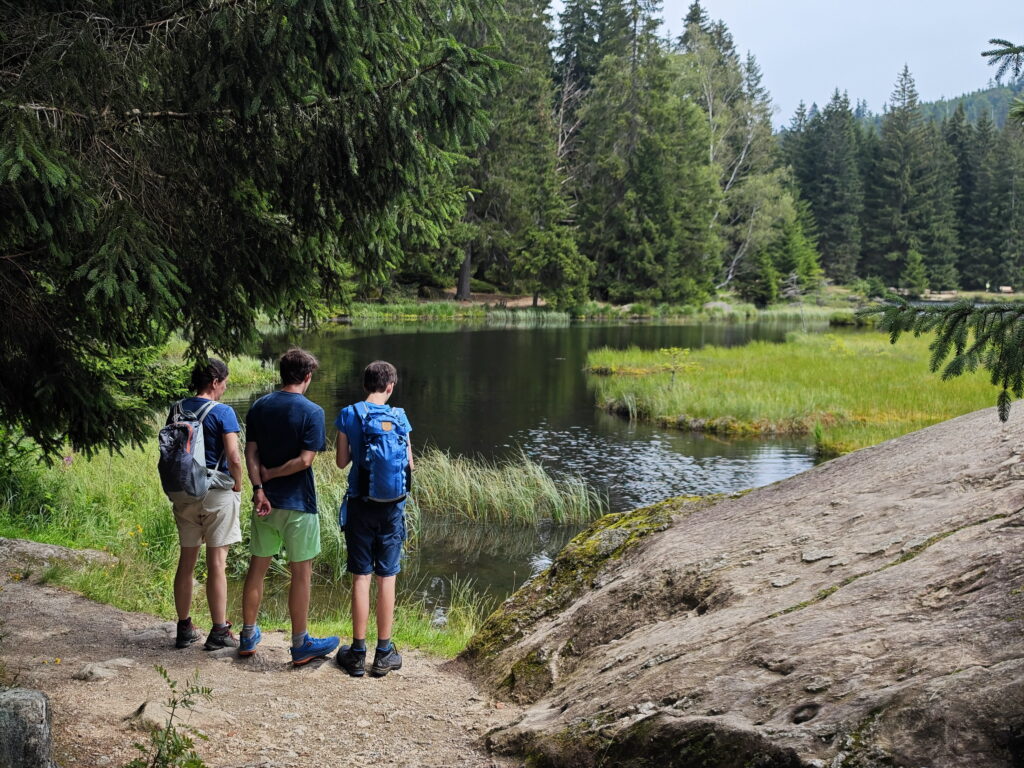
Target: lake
[491, 392]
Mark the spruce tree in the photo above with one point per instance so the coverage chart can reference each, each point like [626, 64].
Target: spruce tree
[517, 231]
[193, 166]
[646, 198]
[911, 195]
[832, 186]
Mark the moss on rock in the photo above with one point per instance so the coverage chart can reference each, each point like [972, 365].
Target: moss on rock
[574, 571]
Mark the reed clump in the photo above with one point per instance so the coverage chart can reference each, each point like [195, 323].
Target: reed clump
[849, 390]
[413, 311]
[516, 491]
[526, 318]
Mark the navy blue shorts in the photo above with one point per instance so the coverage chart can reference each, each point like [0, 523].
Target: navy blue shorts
[374, 534]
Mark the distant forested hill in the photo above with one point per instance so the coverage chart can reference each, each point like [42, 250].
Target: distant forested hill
[993, 102]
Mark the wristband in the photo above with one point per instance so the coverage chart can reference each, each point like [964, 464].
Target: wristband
[257, 487]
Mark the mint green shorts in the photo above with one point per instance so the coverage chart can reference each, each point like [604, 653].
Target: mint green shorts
[297, 532]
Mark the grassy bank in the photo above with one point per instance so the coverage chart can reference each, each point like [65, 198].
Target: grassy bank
[114, 503]
[848, 391]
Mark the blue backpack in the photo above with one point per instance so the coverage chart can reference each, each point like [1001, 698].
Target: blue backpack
[384, 475]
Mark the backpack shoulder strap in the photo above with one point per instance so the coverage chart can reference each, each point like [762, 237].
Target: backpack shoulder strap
[202, 412]
[175, 413]
[361, 410]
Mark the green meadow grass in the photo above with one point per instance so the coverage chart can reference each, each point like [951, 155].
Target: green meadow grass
[414, 311]
[848, 391]
[114, 503]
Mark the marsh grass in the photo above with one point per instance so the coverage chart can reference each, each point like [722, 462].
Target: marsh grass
[849, 390]
[526, 318]
[512, 491]
[414, 311]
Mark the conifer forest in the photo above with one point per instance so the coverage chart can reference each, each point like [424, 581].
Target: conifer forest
[191, 167]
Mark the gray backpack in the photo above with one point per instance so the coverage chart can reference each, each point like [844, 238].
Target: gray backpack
[182, 462]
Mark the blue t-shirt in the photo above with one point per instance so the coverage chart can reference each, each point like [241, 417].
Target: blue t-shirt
[348, 421]
[220, 420]
[283, 425]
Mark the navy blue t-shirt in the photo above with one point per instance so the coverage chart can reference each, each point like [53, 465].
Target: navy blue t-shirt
[283, 424]
[348, 421]
[220, 420]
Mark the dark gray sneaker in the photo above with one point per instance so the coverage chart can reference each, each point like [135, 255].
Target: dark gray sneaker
[220, 638]
[385, 661]
[353, 662]
[187, 634]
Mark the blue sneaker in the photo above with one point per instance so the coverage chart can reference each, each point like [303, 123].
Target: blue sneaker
[247, 645]
[313, 648]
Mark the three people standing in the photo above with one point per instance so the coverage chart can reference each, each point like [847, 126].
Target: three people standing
[284, 433]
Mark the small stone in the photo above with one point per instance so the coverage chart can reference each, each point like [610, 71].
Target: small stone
[363, 723]
[290, 716]
[499, 705]
[838, 562]
[103, 670]
[814, 555]
[783, 581]
[818, 683]
[104, 760]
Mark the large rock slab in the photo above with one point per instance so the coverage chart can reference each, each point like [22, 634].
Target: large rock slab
[25, 740]
[869, 612]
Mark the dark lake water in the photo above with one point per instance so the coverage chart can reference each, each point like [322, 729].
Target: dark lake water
[493, 391]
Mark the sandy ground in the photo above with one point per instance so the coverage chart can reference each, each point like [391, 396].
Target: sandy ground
[264, 712]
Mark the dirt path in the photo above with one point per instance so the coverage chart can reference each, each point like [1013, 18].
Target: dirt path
[264, 713]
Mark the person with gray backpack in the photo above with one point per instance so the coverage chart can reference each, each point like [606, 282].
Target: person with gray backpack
[201, 472]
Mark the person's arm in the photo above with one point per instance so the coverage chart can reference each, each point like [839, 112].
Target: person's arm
[234, 457]
[301, 462]
[252, 464]
[342, 450]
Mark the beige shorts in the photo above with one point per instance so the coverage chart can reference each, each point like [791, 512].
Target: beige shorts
[212, 519]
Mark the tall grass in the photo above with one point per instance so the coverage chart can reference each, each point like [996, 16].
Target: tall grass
[528, 318]
[245, 372]
[414, 311]
[850, 390]
[513, 491]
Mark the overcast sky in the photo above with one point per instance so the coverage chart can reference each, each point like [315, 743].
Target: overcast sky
[806, 48]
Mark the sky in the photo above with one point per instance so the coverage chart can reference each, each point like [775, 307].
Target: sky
[807, 48]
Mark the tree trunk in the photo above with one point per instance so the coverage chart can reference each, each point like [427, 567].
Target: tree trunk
[536, 299]
[462, 293]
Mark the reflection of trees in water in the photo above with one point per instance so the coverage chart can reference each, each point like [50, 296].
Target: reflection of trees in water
[473, 541]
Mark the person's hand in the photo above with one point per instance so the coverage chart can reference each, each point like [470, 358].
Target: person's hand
[265, 474]
[261, 503]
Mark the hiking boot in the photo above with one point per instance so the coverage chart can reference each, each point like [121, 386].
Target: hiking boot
[220, 638]
[313, 648]
[385, 661]
[247, 645]
[353, 662]
[187, 634]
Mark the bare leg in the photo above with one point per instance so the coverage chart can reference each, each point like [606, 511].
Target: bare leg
[183, 581]
[252, 590]
[385, 605]
[217, 583]
[298, 595]
[360, 605]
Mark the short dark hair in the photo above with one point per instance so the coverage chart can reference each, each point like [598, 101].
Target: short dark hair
[295, 365]
[378, 375]
[205, 372]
